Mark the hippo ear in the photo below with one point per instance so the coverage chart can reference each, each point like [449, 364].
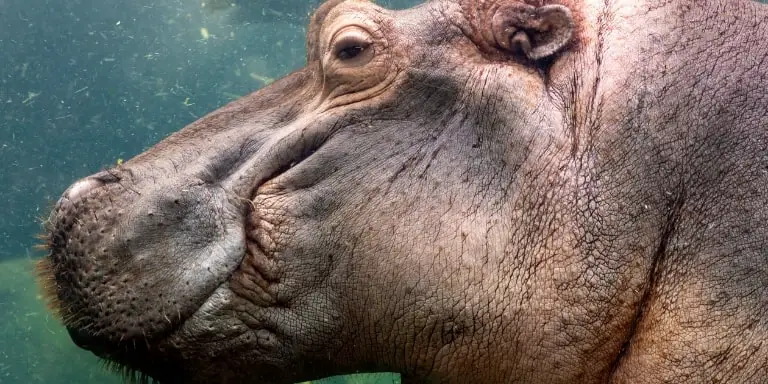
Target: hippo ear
[538, 32]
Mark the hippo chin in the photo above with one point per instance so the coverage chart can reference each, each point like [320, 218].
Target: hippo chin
[464, 192]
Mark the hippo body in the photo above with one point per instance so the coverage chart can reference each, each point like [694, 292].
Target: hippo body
[468, 191]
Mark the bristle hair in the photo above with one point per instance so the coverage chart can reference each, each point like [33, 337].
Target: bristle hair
[47, 285]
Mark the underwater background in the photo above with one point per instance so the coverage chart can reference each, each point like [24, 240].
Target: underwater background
[87, 83]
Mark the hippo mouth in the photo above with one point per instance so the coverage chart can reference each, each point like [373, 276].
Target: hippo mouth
[130, 264]
[125, 271]
[130, 321]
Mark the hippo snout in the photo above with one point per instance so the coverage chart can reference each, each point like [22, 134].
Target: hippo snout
[81, 188]
[121, 270]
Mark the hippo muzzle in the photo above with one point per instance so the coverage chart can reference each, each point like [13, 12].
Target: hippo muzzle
[116, 249]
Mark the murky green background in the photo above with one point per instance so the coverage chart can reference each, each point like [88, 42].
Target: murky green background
[84, 83]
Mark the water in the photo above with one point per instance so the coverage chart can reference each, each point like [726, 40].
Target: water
[84, 83]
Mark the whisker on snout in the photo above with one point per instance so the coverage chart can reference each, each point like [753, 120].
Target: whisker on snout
[47, 286]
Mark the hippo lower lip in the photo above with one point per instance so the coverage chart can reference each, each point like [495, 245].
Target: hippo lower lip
[140, 357]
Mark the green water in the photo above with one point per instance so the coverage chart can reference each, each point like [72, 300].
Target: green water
[84, 83]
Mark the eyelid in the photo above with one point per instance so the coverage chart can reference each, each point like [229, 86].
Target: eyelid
[349, 42]
[349, 33]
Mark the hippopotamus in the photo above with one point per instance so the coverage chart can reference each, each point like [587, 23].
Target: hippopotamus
[468, 191]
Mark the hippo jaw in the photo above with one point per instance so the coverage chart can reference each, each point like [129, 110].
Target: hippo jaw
[285, 236]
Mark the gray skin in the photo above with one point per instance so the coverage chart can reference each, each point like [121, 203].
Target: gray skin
[463, 192]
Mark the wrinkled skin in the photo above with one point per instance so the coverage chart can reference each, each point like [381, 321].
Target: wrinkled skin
[585, 202]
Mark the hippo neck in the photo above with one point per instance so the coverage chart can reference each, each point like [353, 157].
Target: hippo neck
[677, 111]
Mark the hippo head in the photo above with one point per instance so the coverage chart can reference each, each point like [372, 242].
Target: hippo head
[398, 204]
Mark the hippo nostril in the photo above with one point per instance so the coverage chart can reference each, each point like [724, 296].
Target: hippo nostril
[81, 188]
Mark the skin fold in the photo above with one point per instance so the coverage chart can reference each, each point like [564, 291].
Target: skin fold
[463, 192]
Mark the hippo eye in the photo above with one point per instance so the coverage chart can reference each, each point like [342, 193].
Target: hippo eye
[350, 52]
[353, 46]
